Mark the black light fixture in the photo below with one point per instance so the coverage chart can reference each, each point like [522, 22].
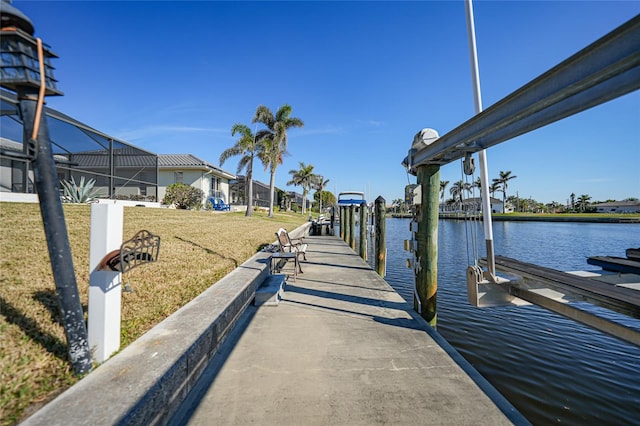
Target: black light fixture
[19, 62]
[25, 68]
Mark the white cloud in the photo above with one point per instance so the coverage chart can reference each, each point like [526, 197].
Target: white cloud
[164, 130]
[328, 130]
[595, 180]
[373, 123]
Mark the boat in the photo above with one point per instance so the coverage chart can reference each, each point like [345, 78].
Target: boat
[351, 198]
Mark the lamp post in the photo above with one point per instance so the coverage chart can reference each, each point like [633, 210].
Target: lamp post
[25, 68]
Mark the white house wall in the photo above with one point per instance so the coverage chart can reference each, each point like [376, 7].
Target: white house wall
[167, 177]
[196, 178]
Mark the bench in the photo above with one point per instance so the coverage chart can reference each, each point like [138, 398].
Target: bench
[288, 245]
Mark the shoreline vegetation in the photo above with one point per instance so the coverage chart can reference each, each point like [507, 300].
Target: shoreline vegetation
[542, 217]
[198, 248]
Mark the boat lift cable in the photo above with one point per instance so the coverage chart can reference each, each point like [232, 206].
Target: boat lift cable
[467, 170]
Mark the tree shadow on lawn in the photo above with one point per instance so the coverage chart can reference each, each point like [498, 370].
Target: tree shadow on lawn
[32, 329]
[208, 250]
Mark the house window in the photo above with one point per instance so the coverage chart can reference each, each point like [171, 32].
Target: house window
[177, 177]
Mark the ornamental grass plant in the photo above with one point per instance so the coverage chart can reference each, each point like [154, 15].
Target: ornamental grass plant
[197, 249]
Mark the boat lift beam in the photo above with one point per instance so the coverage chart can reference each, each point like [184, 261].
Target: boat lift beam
[605, 70]
[555, 290]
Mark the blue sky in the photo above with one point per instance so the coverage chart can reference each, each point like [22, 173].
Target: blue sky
[173, 77]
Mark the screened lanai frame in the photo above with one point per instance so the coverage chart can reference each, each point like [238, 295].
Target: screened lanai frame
[120, 170]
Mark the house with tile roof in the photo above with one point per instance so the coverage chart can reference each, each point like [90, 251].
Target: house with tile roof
[191, 170]
[474, 205]
[618, 207]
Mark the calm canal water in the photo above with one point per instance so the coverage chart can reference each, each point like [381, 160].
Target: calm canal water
[552, 369]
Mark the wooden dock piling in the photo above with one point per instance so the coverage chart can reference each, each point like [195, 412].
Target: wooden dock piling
[352, 227]
[381, 245]
[363, 230]
[427, 236]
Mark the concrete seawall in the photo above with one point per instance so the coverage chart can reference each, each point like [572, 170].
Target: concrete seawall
[147, 381]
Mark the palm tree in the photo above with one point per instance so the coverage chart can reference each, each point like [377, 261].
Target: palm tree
[573, 201]
[503, 179]
[457, 190]
[274, 138]
[495, 187]
[319, 185]
[583, 202]
[478, 184]
[270, 154]
[443, 188]
[304, 178]
[247, 147]
[397, 204]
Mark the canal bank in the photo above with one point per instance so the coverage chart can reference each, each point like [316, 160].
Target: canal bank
[541, 217]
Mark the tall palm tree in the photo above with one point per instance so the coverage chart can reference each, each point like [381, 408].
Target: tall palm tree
[397, 204]
[456, 191]
[319, 185]
[573, 200]
[583, 202]
[247, 147]
[495, 187]
[443, 188]
[304, 178]
[503, 179]
[270, 154]
[275, 139]
[478, 184]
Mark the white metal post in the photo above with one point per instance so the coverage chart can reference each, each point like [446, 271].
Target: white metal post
[484, 175]
[105, 287]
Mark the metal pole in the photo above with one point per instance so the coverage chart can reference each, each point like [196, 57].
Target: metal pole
[55, 229]
[112, 171]
[363, 230]
[427, 237]
[381, 244]
[484, 175]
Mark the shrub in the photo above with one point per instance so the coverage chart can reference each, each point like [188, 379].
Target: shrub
[183, 196]
[84, 192]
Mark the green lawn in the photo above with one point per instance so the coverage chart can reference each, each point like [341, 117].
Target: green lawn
[198, 248]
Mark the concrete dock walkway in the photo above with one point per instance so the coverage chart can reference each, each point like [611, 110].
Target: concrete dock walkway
[341, 348]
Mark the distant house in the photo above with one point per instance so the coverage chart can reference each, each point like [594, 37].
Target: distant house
[473, 205]
[191, 170]
[290, 199]
[618, 207]
[238, 192]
